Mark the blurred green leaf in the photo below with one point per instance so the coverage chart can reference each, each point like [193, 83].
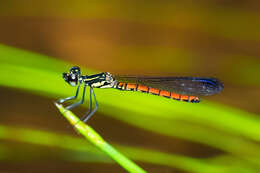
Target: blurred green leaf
[90, 153]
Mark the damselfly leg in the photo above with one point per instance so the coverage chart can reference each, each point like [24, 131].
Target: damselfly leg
[69, 98]
[90, 112]
[90, 104]
[77, 103]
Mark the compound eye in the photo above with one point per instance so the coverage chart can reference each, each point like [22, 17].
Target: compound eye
[75, 70]
[65, 76]
[72, 79]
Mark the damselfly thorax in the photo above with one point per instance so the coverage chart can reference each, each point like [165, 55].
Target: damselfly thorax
[187, 89]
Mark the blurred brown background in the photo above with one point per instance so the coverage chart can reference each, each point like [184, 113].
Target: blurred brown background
[218, 38]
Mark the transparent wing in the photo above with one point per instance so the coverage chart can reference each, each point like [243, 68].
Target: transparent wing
[196, 86]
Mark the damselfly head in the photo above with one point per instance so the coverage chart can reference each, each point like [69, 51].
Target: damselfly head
[73, 76]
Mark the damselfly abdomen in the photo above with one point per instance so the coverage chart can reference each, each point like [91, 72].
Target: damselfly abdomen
[186, 89]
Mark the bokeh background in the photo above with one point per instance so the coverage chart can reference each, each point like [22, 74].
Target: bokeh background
[218, 38]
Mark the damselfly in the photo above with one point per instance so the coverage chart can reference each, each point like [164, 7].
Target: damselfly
[186, 89]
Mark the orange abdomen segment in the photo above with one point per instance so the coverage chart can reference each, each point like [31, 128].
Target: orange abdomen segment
[143, 88]
[165, 93]
[184, 98]
[132, 87]
[175, 96]
[154, 91]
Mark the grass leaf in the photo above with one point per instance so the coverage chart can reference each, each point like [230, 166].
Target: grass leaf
[97, 140]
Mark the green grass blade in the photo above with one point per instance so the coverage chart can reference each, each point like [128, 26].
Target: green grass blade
[98, 141]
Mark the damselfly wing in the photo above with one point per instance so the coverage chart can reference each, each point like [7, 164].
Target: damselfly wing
[196, 86]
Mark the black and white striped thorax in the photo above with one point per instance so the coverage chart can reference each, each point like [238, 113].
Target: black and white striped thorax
[101, 80]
